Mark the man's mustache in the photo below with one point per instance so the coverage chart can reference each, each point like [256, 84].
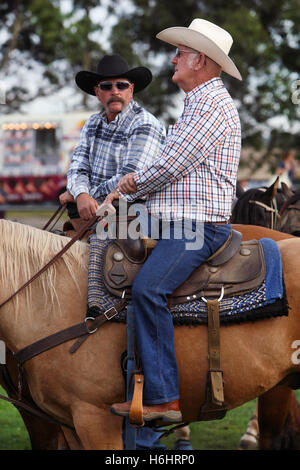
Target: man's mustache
[115, 99]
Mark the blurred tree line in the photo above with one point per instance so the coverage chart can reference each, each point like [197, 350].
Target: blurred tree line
[40, 38]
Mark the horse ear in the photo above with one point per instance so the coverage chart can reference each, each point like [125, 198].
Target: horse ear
[286, 190]
[271, 192]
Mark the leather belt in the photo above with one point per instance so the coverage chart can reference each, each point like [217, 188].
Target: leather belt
[218, 223]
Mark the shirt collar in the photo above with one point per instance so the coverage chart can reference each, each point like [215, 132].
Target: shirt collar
[196, 92]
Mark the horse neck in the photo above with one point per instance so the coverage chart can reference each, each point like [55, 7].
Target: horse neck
[27, 320]
[55, 300]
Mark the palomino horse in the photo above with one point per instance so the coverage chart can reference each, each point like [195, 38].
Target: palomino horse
[43, 435]
[79, 389]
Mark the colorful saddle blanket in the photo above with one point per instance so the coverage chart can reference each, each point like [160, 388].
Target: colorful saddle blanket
[269, 300]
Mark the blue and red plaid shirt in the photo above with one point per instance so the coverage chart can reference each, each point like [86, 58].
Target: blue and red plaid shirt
[194, 174]
[107, 151]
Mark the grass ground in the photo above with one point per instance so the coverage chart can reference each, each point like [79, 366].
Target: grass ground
[13, 434]
[213, 435]
[35, 218]
[222, 434]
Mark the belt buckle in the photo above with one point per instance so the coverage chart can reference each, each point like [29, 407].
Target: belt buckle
[112, 316]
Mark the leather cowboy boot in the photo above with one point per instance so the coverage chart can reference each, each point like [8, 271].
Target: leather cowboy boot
[168, 412]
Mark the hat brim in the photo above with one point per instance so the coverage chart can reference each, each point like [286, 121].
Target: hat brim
[141, 77]
[179, 35]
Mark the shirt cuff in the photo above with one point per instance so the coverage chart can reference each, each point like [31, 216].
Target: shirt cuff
[80, 190]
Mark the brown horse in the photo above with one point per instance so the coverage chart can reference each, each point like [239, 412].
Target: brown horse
[289, 221]
[267, 207]
[80, 391]
[260, 206]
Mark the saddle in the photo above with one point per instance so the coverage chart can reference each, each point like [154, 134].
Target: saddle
[236, 268]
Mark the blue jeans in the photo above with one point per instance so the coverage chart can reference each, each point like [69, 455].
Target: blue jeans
[168, 266]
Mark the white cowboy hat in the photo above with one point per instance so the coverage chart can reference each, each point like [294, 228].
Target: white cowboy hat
[206, 37]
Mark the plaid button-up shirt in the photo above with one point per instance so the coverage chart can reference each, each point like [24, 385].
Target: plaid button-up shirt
[107, 151]
[194, 175]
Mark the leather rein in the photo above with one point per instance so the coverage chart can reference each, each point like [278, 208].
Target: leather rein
[81, 330]
[275, 215]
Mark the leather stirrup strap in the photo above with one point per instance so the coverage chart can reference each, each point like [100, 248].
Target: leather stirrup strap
[136, 409]
[215, 372]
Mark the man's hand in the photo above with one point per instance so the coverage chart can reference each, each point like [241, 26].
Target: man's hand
[86, 206]
[107, 209]
[111, 197]
[127, 184]
[66, 197]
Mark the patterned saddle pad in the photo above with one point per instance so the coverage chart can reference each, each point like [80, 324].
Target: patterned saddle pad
[269, 300]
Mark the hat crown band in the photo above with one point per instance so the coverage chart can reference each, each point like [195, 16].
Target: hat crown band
[213, 32]
[113, 64]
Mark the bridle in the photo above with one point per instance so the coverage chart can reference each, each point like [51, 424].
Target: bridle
[275, 215]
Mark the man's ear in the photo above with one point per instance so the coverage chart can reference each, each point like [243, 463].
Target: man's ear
[199, 61]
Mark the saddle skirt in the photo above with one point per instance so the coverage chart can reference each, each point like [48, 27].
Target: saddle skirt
[236, 268]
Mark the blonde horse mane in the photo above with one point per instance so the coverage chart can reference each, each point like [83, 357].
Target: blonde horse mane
[25, 250]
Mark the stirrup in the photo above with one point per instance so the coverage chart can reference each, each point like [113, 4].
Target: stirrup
[136, 409]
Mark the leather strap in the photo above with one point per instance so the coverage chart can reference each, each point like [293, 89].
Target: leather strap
[214, 406]
[75, 331]
[216, 374]
[59, 212]
[117, 308]
[27, 404]
[34, 411]
[136, 409]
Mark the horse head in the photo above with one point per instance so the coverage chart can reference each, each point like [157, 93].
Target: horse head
[259, 206]
[289, 221]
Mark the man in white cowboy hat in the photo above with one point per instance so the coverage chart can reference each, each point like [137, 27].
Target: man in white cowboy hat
[112, 142]
[192, 181]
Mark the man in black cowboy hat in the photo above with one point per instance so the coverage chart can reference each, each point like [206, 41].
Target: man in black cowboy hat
[119, 140]
[112, 142]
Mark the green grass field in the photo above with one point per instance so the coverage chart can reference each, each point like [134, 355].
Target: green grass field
[13, 434]
[211, 435]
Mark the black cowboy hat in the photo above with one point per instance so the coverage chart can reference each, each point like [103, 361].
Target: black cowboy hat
[113, 66]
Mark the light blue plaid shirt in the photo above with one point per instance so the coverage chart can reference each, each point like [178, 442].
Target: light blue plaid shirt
[108, 151]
